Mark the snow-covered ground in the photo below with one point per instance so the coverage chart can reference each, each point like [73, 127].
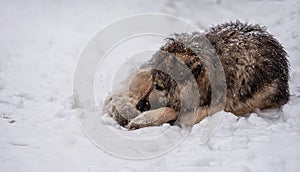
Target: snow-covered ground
[39, 45]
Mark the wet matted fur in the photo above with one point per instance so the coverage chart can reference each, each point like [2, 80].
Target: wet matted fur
[255, 66]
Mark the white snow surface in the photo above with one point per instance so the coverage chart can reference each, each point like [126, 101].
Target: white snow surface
[40, 42]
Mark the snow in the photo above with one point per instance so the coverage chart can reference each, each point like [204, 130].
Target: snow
[39, 47]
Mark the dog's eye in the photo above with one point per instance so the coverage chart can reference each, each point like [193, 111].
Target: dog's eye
[159, 88]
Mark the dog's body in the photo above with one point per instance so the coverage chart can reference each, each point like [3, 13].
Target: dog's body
[255, 67]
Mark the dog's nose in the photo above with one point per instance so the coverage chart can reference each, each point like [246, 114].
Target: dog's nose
[143, 105]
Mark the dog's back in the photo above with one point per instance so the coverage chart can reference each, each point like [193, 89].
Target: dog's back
[255, 65]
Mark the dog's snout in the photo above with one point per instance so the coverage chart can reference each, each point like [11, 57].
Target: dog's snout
[143, 105]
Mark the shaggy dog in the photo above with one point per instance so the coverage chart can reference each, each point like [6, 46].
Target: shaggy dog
[255, 67]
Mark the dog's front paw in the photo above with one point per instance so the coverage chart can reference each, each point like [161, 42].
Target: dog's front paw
[153, 118]
[137, 123]
[120, 108]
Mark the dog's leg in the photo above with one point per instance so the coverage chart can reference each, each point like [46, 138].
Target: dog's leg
[154, 117]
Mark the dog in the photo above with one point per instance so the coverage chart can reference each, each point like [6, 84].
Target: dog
[254, 64]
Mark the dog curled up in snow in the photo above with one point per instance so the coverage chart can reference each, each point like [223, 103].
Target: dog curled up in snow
[254, 63]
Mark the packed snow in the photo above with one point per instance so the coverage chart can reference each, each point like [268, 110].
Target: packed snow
[39, 48]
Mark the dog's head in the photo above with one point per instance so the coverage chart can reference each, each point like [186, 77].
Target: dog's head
[171, 66]
[145, 92]
[161, 91]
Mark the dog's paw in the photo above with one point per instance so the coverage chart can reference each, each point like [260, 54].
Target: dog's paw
[145, 119]
[155, 117]
[137, 123]
[120, 108]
